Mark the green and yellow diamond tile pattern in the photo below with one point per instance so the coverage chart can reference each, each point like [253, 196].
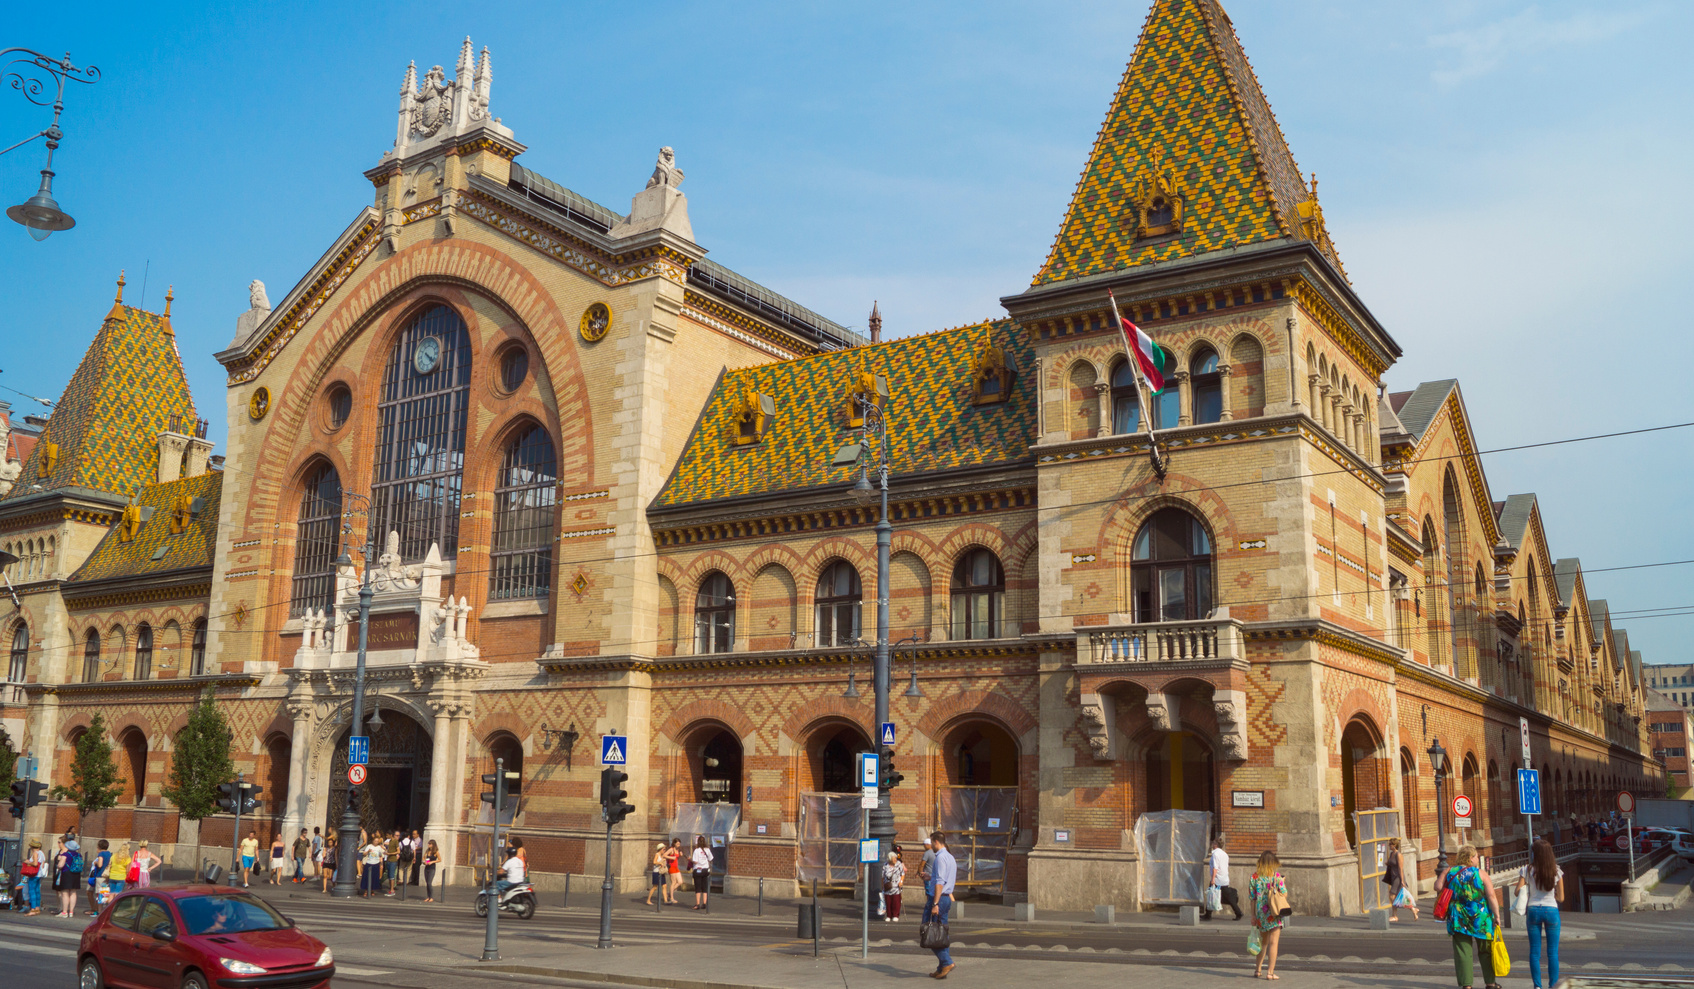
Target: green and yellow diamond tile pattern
[106, 425]
[933, 424]
[194, 546]
[1189, 98]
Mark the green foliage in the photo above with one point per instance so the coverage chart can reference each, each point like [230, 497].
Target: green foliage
[200, 763]
[95, 783]
[8, 762]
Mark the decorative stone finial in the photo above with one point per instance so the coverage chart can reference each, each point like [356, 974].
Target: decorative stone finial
[435, 108]
[876, 324]
[120, 299]
[170, 293]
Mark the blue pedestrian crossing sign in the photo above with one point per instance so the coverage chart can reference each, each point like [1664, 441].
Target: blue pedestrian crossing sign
[358, 750]
[614, 750]
[888, 733]
[1529, 791]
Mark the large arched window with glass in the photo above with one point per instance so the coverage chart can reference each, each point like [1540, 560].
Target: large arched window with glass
[1170, 571]
[838, 603]
[19, 665]
[1126, 400]
[420, 444]
[317, 536]
[197, 651]
[1206, 383]
[91, 657]
[714, 614]
[978, 596]
[524, 510]
[144, 652]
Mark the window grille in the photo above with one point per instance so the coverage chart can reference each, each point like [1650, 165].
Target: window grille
[144, 652]
[420, 449]
[524, 513]
[20, 654]
[317, 536]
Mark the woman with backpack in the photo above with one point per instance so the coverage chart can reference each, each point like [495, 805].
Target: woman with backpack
[1544, 883]
[1470, 917]
[67, 878]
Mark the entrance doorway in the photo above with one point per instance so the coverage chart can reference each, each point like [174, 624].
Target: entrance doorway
[396, 791]
[834, 756]
[1364, 776]
[1179, 774]
[978, 804]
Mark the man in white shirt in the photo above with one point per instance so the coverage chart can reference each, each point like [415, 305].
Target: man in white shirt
[512, 870]
[1217, 874]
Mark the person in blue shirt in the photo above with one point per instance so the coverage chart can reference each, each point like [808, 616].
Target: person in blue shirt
[944, 873]
[97, 875]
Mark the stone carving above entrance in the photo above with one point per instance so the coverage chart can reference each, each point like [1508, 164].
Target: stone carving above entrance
[1164, 711]
[1230, 706]
[1099, 724]
[437, 110]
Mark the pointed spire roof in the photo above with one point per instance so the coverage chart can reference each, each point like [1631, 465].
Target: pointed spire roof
[1189, 121]
[103, 434]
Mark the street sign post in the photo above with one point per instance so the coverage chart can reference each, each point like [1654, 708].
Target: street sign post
[1626, 802]
[356, 774]
[887, 733]
[358, 750]
[1461, 811]
[614, 750]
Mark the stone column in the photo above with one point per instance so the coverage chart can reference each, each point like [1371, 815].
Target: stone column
[1103, 404]
[441, 806]
[299, 752]
[1223, 387]
[1312, 386]
[1184, 399]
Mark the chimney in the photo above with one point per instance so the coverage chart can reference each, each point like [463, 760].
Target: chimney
[172, 447]
[876, 324]
[199, 451]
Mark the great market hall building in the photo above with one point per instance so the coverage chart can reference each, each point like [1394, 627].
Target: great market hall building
[599, 473]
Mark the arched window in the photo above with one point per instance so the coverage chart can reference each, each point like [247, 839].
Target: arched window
[420, 443]
[979, 595]
[714, 614]
[524, 510]
[1126, 400]
[91, 657]
[1167, 403]
[503, 745]
[1409, 792]
[1207, 383]
[1434, 640]
[1453, 528]
[317, 537]
[197, 651]
[1170, 571]
[838, 602]
[20, 654]
[144, 651]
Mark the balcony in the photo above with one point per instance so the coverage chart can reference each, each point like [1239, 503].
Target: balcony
[1214, 640]
[12, 695]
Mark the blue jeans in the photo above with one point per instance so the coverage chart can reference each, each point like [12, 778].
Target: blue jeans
[928, 897]
[1544, 918]
[942, 955]
[502, 885]
[32, 887]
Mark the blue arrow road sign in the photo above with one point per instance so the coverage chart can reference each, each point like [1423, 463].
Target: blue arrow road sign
[1529, 791]
[359, 750]
[614, 750]
[888, 733]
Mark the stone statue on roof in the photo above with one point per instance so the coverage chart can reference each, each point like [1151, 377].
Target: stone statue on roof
[256, 297]
[666, 172]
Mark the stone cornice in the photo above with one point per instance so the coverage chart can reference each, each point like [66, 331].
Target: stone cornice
[113, 592]
[69, 504]
[577, 251]
[774, 658]
[836, 517]
[196, 684]
[1325, 633]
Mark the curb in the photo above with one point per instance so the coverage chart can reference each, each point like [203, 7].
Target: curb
[608, 977]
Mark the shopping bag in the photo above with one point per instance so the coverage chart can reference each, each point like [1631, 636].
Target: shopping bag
[1254, 942]
[934, 936]
[1403, 898]
[1502, 961]
[1214, 899]
[1520, 900]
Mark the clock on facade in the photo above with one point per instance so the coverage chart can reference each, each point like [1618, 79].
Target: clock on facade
[427, 355]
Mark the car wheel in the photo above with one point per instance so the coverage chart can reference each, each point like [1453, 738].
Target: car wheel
[525, 907]
[482, 906]
[89, 976]
[194, 980]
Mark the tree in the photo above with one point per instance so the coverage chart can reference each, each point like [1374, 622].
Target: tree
[8, 762]
[95, 784]
[199, 765]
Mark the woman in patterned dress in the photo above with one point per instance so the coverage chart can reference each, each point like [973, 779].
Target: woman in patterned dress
[1470, 917]
[1266, 880]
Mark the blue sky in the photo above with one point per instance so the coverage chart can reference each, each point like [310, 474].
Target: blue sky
[1507, 184]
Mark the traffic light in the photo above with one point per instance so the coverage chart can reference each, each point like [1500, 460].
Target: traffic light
[20, 798]
[238, 797]
[612, 795]
[226, 798]
[501, 795]
[887, 777]
[249, 798]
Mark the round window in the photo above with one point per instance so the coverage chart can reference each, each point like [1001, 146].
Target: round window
[514, 368]
[340, 406]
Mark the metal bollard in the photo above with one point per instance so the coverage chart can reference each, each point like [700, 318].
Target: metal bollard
[567, 903]
[761, 896]
[817, 922]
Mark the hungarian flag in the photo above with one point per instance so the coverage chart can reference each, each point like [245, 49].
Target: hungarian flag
[1149, 356]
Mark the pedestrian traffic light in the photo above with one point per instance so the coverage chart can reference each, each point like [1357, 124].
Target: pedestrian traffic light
[226, 797]
[249, 797]
[887, 777]
[20, 797]
[612, 795]
[501, 795]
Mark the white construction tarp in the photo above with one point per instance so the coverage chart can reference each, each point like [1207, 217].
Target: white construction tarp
[1173, 845]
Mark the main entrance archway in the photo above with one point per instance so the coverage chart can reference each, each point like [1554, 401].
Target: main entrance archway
[396, 792]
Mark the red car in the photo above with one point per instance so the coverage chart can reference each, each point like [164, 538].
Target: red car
[199, 937]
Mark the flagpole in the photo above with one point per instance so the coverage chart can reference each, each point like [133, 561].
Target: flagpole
[1141, 386]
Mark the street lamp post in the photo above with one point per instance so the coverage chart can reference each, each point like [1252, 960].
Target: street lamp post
[40, 213]
[1438, 762]
[347, 835]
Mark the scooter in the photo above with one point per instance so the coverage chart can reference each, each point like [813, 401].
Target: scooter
[520, 899]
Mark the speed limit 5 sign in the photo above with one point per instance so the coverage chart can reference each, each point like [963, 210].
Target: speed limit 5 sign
[1461, 806]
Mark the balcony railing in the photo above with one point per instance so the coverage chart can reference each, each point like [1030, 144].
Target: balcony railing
[12, 695]
[1208, 641]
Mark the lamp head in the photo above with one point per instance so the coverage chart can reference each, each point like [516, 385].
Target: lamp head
[40, 213]
[863, 492]
[1437, 757]
[852, 686]
[375, 720]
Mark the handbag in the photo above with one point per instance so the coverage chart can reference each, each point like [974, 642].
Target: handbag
[30, 869]
[1214, 899]
[1520, 900]
[1443, 901]
[1502, 961]
[1279, 902]
[934, 936]
[1255, 943]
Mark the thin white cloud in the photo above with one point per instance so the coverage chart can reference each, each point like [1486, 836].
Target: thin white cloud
[1479, 51]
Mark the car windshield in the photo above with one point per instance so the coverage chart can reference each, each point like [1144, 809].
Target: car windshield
[228, 913]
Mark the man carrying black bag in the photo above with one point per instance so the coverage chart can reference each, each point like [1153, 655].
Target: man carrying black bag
[934, 935]
[1219, 893]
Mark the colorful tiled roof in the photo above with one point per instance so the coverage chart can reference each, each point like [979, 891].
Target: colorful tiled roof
[192, 547]
[932, 423]
[104, 431]
[1190, 103]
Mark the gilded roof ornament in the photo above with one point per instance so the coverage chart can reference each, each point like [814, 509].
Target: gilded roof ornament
[1158, 197]
[1312, 226]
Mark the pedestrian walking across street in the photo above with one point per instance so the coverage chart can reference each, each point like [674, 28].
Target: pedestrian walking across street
[1544, 883]
[1394, 874]
[302, 855]
[1470, 917]
[326, 860]
[926, 872]
[249, 857]
[673, 863]
[1267, 895]
[659, 883]
[944, 872]
[1217, 868]
[279, 854]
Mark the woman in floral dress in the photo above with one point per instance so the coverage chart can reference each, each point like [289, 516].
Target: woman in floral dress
[1470, 917]
[1266, 880]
